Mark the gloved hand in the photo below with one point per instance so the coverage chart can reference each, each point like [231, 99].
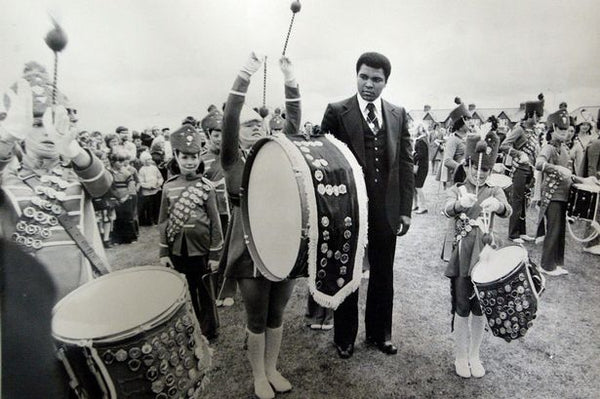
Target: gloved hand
[491, 204]
[60, 132]
[253, 63]
[467, 200]
[19, 117]
[166, 262]
[287, 68]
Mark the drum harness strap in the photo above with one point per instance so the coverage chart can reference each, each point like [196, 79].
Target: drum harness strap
[98, 265]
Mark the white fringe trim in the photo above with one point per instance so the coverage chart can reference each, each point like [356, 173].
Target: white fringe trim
[362, 200]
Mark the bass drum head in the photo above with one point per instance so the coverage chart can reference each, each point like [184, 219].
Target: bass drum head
[117, 302]
[500, 264]
[499, 180]
[273, 221]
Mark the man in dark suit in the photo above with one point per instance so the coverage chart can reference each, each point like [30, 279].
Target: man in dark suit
[377, 134]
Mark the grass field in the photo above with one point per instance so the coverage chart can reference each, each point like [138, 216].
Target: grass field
[558, 358]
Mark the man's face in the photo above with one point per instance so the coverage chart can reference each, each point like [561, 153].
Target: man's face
[370, 82]
[472, 175]
[167, 134]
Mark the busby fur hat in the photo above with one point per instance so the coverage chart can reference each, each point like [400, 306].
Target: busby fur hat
[536, 107]
[459, 113]
[186, 139]
[559, 119]
[487, 147]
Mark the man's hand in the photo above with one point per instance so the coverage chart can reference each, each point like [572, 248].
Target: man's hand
[404, 226]
[253, 64]
[166, 262]
[19, 118]
[288, 70]
[214, 265]
[58, 125]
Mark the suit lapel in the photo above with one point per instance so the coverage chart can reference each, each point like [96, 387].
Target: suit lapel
[392, 127]
[352, 120]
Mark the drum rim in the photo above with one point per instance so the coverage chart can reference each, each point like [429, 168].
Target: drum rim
[505, 276]
[250, 243]
[127, 333]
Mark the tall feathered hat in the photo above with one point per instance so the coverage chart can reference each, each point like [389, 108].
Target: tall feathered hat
[459, 113]
[535, 107]
[559, 119]
[487, 147]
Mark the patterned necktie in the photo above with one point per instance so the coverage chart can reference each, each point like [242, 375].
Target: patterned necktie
[372, 118]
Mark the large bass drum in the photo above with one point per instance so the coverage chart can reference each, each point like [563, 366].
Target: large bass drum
[304, 207]
[132, 334]
[508, 286]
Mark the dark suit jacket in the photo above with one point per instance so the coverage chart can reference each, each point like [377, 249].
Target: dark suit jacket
[344, 120]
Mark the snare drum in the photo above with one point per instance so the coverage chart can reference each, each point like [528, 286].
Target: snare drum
[583, 201]
[304, 209]
[508, 286]
[132, 333]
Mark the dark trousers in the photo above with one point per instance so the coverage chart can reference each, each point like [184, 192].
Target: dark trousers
[194, 267]
[380, 294]
[146, 210]
[521, 180]
[553, 253]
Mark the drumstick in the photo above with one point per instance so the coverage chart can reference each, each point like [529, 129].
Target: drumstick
[295, 7]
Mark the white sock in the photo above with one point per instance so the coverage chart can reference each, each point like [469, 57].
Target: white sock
[256, 356]
[272, 347]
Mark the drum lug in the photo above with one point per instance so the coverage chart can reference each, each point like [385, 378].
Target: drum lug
[304, 235]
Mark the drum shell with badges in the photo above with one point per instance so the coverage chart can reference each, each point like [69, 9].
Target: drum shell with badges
[508, 286]
[583, 201]
[304, 213]
[132, 333]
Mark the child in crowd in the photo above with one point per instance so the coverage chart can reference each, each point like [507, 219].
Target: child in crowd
[151, 181]
[189, 225]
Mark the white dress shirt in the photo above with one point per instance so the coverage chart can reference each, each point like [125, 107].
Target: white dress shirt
[365, 112]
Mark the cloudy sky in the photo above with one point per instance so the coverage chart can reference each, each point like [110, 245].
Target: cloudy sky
[147, 62]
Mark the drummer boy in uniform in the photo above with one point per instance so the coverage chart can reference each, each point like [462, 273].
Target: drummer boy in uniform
[465, 204]
[189, 224]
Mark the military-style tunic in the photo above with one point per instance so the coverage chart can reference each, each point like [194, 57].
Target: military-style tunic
[188, 213]
[28, 216]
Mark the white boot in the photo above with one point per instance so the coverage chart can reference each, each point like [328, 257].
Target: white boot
[256, 356]
[477, 329]
[273, 344]
[461, 346]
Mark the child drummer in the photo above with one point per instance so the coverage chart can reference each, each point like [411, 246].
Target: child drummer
[471, 205]
[189, 224]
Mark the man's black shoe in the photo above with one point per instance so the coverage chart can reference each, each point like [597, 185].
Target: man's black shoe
[386, 347]
[345, 352]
